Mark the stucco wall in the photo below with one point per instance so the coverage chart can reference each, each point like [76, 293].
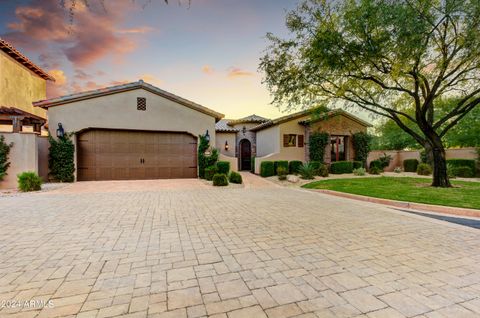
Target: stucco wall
[23, 157]
[233, 161]
[119, 111]
[43, 145]
[268, 141]
[19, 86]
[220, 139]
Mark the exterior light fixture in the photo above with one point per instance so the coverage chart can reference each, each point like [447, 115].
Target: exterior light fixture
[226, 145]
[207, 136]
[244, 130]
[60, 131]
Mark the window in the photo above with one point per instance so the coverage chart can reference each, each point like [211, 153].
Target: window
[337, 144]
[141, 103]
[290, 140]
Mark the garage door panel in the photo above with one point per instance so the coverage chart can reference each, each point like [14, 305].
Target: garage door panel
[118, 155]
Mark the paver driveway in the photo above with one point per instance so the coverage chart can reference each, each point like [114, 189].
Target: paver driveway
[248, 252]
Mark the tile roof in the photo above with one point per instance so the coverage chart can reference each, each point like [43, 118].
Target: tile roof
[22, 59]
[12, 111]
[62, 100]
[249, 119]
[222, 126]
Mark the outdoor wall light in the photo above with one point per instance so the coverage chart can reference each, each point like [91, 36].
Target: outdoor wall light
[226, 145]
[60, 131]
[207, 136]
[244, 130]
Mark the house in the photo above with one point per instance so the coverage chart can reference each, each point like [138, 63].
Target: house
[286, 138]
[21, 83]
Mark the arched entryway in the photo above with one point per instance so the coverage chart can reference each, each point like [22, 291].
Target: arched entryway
[245, 154]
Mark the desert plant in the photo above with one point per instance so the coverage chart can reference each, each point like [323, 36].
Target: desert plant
[235, 177]
[376, 163]
[323, 170]
[61, 158]
[282, 173]
[397, 170]
[4, 152]
[359, 171]
[316, 145]
[220, 180]
[279, 163]
[385, 160]
[223, 167]
[210, 172]
[410, 165]
[339, 167]
[424, 169]
[294, 166]
[375, 170]
[361, 145]
[267, 169]
[29, 181]
[307, 171]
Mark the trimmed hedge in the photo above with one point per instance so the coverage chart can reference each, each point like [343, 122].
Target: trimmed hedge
[376, 163]
[209, 172]
[294, 166]
[357, 164]
[29, 181]
[279, 163]
[339, 167]
[463, 172]
[223, 167]
[424, 169]
[410, 165]
[462, 163]
[235, 177]
[220, 180]
[267, 169]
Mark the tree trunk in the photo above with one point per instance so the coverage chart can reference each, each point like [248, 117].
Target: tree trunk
[440, 176]
[428, 153]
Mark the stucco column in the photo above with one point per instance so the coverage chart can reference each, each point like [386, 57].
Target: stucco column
[308, 131]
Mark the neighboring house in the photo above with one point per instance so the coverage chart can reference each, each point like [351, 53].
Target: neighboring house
[132, 131]
[21, 83]
[286, 138]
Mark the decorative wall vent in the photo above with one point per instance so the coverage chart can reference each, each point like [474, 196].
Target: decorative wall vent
[141, 103]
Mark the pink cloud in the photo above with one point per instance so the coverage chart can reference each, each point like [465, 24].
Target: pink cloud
[237, 72]
[207, 69]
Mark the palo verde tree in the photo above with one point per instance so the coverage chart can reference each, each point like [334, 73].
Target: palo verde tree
[383, 56]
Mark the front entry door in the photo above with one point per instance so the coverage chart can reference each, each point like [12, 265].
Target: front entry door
[245, 155]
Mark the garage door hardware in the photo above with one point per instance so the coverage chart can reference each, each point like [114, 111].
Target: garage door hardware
[142, 160]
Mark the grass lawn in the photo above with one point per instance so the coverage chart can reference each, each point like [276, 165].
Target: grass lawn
[463, 194]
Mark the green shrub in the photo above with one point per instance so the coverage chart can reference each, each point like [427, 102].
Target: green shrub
[267, 169]
[376, 163]
[294, 166]
[323, 170]
[209, 172]
[339, 167]
[385, 160]
[29, 181]
[397, 170]
[61, 158]
[220, 180]
[282, 173]
[361, 144]
[357, 164]
[235, 177]
[279, 163]
[4, 152]
[451, 171]
[375, 170]
[463, 172]
[462, 163]
[359, 171]
[223, 167]
[316, 145]
[205, 161]
[424, 169]
[307, 171]
[252, 168]
[316, 165]
[410, 165]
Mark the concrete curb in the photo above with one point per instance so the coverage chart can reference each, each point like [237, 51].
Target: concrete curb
[405, 205]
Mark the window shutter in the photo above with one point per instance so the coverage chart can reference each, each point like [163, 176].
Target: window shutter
[300, 141]
[285, 140]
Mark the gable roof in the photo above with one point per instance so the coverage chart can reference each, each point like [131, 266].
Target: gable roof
[307, 112]
[10, 50]
[62, 100]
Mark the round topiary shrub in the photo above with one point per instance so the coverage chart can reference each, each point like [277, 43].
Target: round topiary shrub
[294, 166]
[267, 169]
[223, 167]
[29, 181]
[209, 172]
[235, 177]
[220, 180]
[424, 169]
[323, 171]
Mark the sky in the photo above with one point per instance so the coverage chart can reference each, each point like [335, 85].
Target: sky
[207, 51]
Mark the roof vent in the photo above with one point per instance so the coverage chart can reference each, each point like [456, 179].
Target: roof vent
[141, 103]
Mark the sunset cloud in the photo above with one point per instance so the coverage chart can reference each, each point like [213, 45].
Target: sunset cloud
[207, 69]
[235, 72]
[59, 87]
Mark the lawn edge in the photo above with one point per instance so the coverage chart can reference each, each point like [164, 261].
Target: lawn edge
[403, 204]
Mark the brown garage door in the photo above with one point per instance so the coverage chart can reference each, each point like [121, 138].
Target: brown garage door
[132, 155]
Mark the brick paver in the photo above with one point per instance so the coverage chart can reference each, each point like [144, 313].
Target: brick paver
[184, 249]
